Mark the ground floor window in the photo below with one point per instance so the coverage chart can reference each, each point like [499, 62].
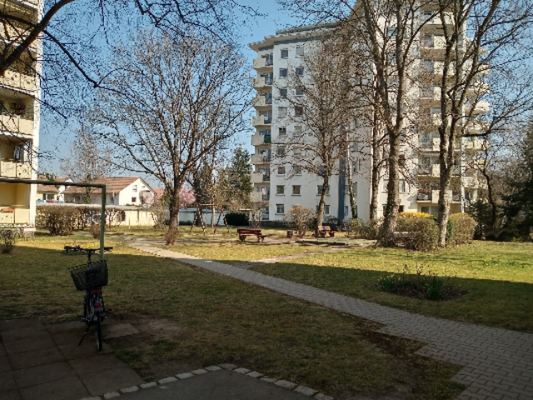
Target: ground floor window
[280, 208]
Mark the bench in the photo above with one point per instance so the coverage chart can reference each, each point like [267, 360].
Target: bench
[250, 232]
[322, 230]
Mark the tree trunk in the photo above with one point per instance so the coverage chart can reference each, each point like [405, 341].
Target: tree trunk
[493, 206]
[393, 193]
[446, 168]
[349, 165]
[376, 167]
[322, 203]
[174, 208]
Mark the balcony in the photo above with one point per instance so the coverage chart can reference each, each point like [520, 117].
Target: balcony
[262, 101]
[432, 171]
[435, 24]
[425, 195]
[434, 48]
[260, 159]
[432, 196]
[259, 140]
[261, 82]
[474, 144]
[259, 177]
[476, 126]
[481, 107]
[10, 169]
[259, 120]
[16, 124]
[429, 95]
[18, 81]
[478, 89]
[263, 63]
[456, 196]
[14, 215]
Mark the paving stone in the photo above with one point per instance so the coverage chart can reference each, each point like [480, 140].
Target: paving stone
[4, 364]
[24, 333]
[254, 374]
[321, 396]
[148, 385]
[285, 384]
[199, 372]
[29, 344]
[111, 395]
[43, 374]
[185, 375]
[229, 367]
[305, 390]
[269, 380]
[118, 330]
[110, 380]
[167, 380]
[11, 395]
[37, 357]
[130, 389]
[73, 351]
[99, 362]
[243, 371]
[7, 381]
[64, 389]
[213, 368]
[18, 324]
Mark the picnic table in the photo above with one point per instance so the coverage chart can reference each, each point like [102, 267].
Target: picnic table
[322, 230]
[243, 233]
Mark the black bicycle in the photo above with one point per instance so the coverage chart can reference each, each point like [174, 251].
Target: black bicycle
[91, 277]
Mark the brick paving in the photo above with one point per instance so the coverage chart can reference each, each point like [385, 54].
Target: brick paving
[498, 363]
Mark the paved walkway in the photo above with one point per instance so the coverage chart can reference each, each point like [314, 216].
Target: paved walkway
[45, 363]
[498, 364]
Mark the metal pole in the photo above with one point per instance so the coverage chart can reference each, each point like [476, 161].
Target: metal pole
[102, 223]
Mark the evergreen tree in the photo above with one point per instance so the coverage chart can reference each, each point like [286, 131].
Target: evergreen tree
[239, 176]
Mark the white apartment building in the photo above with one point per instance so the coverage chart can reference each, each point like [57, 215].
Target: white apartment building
[284, 189]
[19, 117]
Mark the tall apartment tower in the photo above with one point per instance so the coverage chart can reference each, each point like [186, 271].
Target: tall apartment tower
[19, 128]
[284, 189]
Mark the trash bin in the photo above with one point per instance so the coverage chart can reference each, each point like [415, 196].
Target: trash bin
[290, 234]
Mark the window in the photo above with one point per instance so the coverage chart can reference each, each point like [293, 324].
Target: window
[296, 190]
[300, 71]
[297, 170]
[425, 210]
[282, 132]
[283, 93]
[402, 186]
[297, 130]
[265, 132]
[283, 72]
[298, 111]
[355, 188]
[280, 208]
[299, 92]
[134, 199]
[319, 187]
[392, 31]
[280, 151]
[326, 209]
[435, 110]
[284, 53]
[280, 190]
[281, 170]
[427, 66]
[401, 160]
[282, 112]
[134, 188]
[357, 165]
[299, 51]
[269, 59]
[400, 209]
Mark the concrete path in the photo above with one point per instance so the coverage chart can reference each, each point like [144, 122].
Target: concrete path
[45, 363]
[219, 385]
[498, 364]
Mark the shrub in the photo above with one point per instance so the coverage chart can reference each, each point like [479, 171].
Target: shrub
[359, 229]
[420, 234]
[7, 237]
[236, 219]
[95, 231]
[300, 219]
[414, 215]
[420, 285]
[59, 221]
[464, 228]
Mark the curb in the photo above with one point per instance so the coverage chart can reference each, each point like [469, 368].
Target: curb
[229, 367]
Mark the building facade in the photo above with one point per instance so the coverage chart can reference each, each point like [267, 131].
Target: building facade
[281, 55]
[19, 119]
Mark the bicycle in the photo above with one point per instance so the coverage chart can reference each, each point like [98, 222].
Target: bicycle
[91, 277]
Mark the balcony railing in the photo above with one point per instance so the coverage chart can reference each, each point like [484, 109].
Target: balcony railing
[456, 196]
[9, 169]
[424, 195]
[266, 178]
[18, 81]
[261, 120]
[266, 197]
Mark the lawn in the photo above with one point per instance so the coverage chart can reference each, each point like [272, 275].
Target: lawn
[223, 320]
[236, 252]
[497, 276]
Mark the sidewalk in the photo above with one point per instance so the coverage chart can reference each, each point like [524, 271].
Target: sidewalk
[498, 364]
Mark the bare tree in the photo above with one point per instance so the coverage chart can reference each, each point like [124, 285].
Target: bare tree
[323, 104]
[176, 99]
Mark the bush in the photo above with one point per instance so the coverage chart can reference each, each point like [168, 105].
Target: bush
[300, 219]
[359, 229]
[463, 229]
[416, 233]
[59, 221]
[236, 219]
[95, 231]
[7, 237]
[421, 285]
[414, 215]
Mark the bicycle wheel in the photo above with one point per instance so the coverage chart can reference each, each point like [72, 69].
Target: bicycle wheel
[98, 329]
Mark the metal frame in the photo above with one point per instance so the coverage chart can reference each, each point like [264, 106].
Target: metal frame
[86, 185]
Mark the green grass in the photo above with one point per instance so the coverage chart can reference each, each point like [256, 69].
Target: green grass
[235, 252]
[224, 320]
[497, 276]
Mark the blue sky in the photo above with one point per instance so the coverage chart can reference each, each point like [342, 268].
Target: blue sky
[55, 141]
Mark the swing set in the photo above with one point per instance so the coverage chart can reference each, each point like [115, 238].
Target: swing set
[214, 207]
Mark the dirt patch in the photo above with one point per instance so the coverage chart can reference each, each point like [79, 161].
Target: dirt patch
[156, 328]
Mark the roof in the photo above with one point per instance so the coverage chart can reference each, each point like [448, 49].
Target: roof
[49, 188]
[114, 185]
[159, 192]
[304, 32]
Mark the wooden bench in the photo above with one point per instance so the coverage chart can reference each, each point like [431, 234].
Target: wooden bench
[250, 232]
[322, 230]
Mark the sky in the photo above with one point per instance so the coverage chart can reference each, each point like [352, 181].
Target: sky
[55, 141]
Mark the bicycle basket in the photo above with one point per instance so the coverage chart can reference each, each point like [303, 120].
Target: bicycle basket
[90, 275]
